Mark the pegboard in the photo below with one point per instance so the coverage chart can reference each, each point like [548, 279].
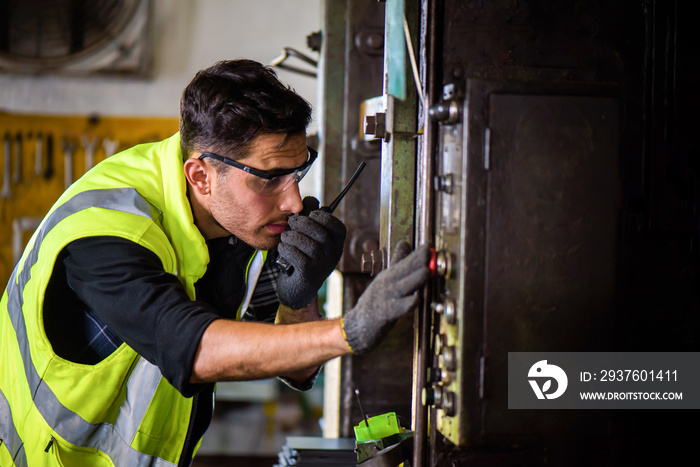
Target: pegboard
[34, 168]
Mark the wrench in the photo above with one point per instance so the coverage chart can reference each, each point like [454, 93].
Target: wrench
[48, 173]
[110, 146]
[38, 155]
[89, 145]
[68, 148]
[17, 177]
[6, 193]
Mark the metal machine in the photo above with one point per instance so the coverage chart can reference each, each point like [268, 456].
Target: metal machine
[544, 150]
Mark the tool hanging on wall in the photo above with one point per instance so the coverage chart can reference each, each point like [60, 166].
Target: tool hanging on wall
[17, 177]
[89, 144]
[68, 148]
[48, 173]
[20, 226]
[110, 146]
[38, 154]
[6, 192]
[288, 52]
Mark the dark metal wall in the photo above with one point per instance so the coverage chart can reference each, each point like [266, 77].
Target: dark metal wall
[351, 72]
[580, 216]
[557, 176]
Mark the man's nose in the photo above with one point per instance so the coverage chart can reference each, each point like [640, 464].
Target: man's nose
[290, 199]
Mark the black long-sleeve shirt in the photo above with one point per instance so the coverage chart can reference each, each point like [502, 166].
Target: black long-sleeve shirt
[108, 290]
[105, 291]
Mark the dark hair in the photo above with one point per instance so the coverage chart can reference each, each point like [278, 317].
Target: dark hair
[227, 105]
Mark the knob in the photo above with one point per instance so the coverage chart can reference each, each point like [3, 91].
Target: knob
[439, 397]
[450, 312]
[427, 397]
[444, 183]
[447, 309]
[439, 375]
[443, 264]
[432, 396]
[447, 404]
[447, 112]
[449, 357]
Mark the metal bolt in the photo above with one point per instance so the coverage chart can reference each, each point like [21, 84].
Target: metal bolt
[374, 40]
[449, 358]
[444, 264]
[445, 183]
[438, 308]
[448, 403]
[447, 309]
[373, 262]
[376, 125]
[450, 311]
[314, 41]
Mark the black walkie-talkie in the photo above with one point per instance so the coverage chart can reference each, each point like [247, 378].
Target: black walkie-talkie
[282, 263]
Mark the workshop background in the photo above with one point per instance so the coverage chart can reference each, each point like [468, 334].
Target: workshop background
[545, 148]
[58, 117]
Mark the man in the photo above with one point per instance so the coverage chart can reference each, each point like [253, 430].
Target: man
[142, 285]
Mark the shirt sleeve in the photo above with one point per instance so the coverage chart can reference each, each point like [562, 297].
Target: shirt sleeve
[126, 287]
[263, 307]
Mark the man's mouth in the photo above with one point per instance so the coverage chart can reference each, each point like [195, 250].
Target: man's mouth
[277, 227]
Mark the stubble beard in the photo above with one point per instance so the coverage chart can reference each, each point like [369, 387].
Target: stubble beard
[234, 218]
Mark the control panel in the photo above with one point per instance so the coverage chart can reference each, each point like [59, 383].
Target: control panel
[446, 377]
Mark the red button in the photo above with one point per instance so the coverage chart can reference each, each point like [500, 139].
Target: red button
[433, 262]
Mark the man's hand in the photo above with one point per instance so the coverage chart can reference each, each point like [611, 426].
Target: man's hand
[313, 245]
[392, 294]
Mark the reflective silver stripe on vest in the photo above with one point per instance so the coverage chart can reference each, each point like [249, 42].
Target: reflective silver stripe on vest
[140, 389]
[8, 434]
[113, 440]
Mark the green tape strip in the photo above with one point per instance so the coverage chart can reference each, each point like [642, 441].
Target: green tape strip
[395, 49]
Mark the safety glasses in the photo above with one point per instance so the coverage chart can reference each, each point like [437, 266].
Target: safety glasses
[267, 183]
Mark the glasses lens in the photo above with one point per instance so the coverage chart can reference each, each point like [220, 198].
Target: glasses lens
[277, 185]
[269, 187]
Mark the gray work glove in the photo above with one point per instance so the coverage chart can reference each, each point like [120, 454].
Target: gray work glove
[391, 295]
[313, 244]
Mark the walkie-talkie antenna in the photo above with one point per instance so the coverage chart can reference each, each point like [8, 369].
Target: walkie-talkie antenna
[282, 263]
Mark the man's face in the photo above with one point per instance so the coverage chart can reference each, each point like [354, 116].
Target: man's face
[257, 219]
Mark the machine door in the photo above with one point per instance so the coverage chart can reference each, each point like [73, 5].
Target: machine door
[527, 201]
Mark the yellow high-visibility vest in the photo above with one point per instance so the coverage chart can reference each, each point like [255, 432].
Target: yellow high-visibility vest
[120, 411]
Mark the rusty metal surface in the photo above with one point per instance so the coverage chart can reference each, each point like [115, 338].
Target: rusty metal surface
[399, 151]
[519, 53]
[546, 264]
[351, 70]
[425, 172]
[352, 64]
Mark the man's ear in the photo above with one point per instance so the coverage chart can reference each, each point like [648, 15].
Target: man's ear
[198, 174]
